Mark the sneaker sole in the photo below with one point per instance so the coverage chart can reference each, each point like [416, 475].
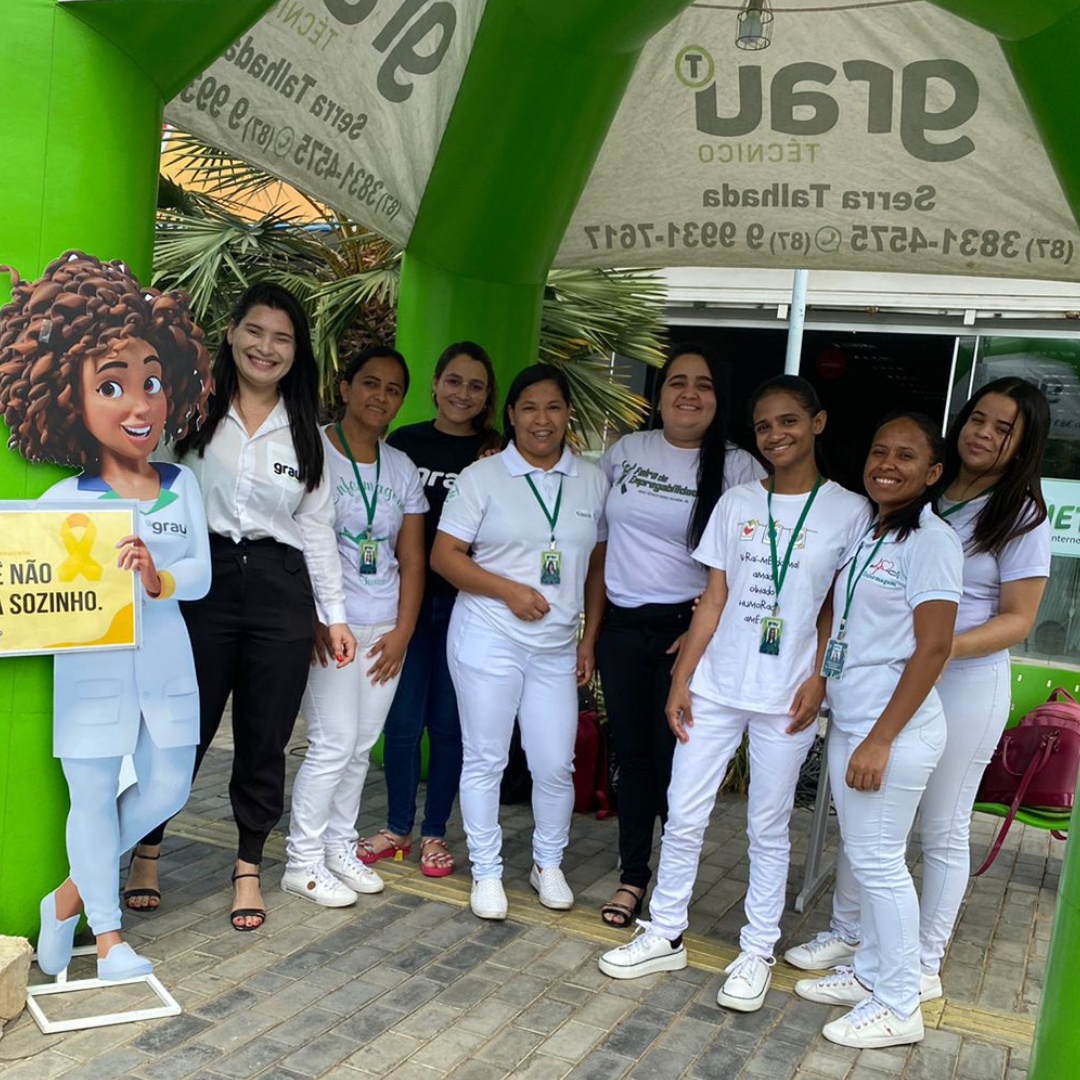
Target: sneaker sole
[365, 890]
[293, 891]
[675, 962]
[746, 1005]
[795, 961]
[491, 916]
[879, 1042]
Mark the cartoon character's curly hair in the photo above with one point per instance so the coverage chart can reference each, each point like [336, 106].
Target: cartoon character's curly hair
[80, 308]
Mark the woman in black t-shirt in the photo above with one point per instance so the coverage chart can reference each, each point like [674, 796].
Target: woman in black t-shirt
[463, 390]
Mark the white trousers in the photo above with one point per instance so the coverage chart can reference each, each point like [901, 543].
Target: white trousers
[697, 771]
[976, 703]
[100, 826]
[874, 827]
[496, 679]
[345, 714]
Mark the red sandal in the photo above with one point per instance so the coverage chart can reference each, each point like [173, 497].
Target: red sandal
[435, 857]
[395, 849]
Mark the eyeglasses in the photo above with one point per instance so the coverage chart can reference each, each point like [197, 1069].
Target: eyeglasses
[455, 383]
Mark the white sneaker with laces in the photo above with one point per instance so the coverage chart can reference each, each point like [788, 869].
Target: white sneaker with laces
[748, 978]
[823, 951]
[645, 953]
[487, 899]
[839, 987]
[350, 871]
[929, 987]
[871, 1025]
[551, 884]
[317, 884]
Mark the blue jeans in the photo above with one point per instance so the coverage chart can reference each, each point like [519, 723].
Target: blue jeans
[425, 697]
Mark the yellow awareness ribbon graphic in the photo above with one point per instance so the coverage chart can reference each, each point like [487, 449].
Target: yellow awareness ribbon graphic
[79, 560]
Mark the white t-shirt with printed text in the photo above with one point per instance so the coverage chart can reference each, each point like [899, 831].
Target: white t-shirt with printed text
[928, 564]
[733, 671]
[372, 598]
[653, 489]
[1026, 556]
[493, 509]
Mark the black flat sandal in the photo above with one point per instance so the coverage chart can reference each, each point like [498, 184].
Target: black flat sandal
[620, 916]
[131, 894]
[247, 912]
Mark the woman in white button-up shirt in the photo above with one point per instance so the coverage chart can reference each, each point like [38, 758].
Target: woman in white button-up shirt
[260, 463]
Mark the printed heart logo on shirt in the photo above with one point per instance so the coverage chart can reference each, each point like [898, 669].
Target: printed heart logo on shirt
[748, 529]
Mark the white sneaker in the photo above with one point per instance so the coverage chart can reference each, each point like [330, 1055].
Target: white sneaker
[823, 951]
[839, 987]
[929, 987]
[872, 1025]
[316, 883]
[487, 899]
[551, 885]
[350, 871]
[748, 978]
[643, 954]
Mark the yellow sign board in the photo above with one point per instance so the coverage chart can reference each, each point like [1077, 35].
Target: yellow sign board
[60, 587]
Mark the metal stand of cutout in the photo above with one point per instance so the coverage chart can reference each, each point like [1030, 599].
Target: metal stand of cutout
[814, 877]
[169, 1005]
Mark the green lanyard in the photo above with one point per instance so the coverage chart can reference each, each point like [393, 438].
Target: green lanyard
[853, 579]
[552, 516]
[960, 505]
[778, 576]
[369, 504]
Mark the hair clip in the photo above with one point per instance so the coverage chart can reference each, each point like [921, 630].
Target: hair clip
[45, 332]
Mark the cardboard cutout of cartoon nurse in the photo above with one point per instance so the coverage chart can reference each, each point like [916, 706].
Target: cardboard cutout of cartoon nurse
[94, 371]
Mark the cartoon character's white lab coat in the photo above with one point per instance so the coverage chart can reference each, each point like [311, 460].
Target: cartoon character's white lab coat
[99, 697]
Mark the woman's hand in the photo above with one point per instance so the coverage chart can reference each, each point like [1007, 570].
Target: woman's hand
[526, 603]
[320, 645]
[135, 556]
[390, 650]
[807, 704]
[586, 662]
[342, 644]
[677, 644]
[677, 710]
[867, 763]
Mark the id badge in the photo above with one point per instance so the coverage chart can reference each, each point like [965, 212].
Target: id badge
[550, 567]
[832, 666]
[771, 629]
[369, 556]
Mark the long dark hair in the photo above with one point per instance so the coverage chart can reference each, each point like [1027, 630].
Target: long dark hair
[1016, 504]
[805, 395]
[526, 377]
[905, 519]
[299, 387]
[714, 445]
[484, 421]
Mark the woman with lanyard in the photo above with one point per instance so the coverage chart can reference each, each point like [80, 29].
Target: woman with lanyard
[895, 606]
[992, 498]
[260, 465]
[531, 518]
[654, 525]
[463, 391]
[753, 652]
[379, 506]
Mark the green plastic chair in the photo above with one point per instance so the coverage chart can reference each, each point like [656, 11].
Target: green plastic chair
[1031, 686]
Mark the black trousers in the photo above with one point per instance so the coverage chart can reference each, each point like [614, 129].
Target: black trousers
[251, 636]
[635, 673]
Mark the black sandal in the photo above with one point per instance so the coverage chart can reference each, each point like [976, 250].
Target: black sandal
[622, 915]
[131, 894]
[247, 912]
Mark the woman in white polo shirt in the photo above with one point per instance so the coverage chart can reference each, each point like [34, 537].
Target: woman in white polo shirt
[992, 498]
[517, 538]
[753, 651]
[665, 484]
[379, 508]
[894, 607]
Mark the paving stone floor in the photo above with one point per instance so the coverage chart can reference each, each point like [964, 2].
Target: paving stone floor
[408, 985]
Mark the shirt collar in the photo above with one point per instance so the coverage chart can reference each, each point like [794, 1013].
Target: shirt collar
[925, 515]
[278, 417]
[516, 465]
